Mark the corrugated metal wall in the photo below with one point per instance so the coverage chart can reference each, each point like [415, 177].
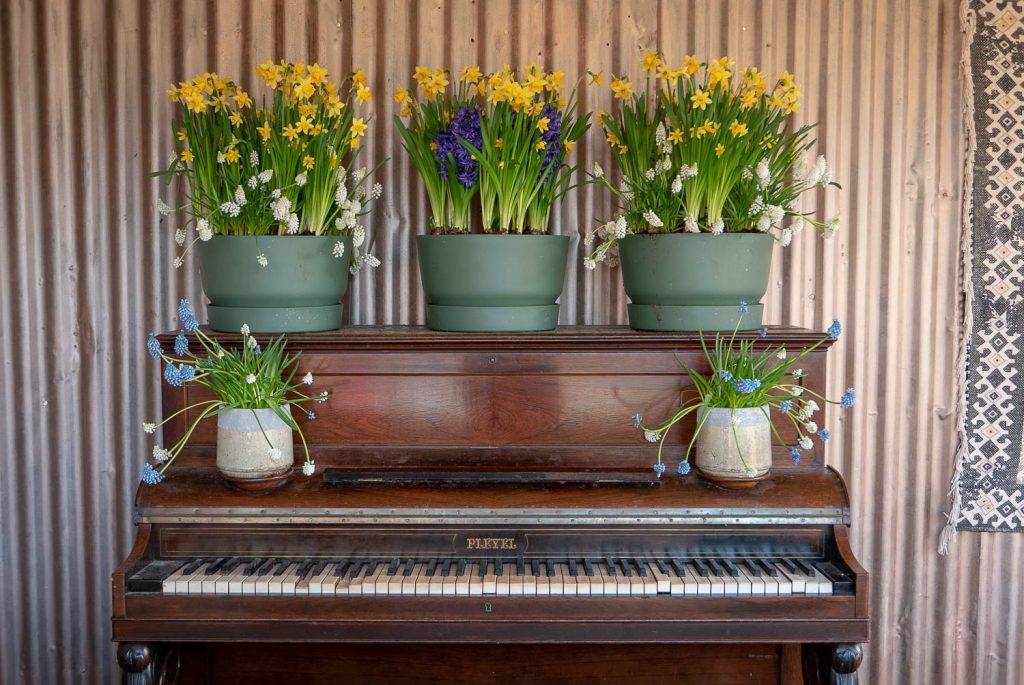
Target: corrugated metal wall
[85, 264]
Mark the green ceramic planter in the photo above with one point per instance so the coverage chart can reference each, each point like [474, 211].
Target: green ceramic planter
[492, 282]
[695, 281]
[298, 291]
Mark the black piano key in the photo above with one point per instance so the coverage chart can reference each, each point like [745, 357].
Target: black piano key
[717, 569]
[373, 566]
[753, 567]
[304, 568]
[410, 564]
[551, 567]
[342, 568]
[730, 567]
[534, 568]
[573, 571]
[588, 568]
[355, 568]
[483, 568]
[266, 567]
[250, 568]
[451, 567]
[789, 566]
[641, 567]
[661, 566]
[393, 567]
[318, 569]
[499, 567]
[768, 566]
[193, 566]
[521, 566]
[230, 565]
[215, 566]
[431, 568]
[702, 568]
[626, 570]
[460, 569]
[678, 565]
[804, 567]
[610, 565]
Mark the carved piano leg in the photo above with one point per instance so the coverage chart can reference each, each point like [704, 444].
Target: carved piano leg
[845, 659]
[138, 663]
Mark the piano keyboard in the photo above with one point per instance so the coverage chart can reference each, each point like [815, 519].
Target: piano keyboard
[618, 577]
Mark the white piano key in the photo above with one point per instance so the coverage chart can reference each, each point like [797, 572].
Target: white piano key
[490, 580]
[343, 582]
[555, 585]
[409, 581]
[543, 582]
[622, 582]
[717, 583]
[691, 588]
[208, 584]
[515, 582]
[288, 582]
[462, 582]
[249, 582]
[823, 584]
[476, 581]
[322, 583]
[382, 580]
[195, 581]
[650, 583]
[423, 580]
[797, 581]
[396, 582]
[450, 583]
[569, 581]
[503, 584]
[743, 588]
[757, 588]
[784, 583]
[436, 584]
[171, 580]
[237, 578]
[583, 581]
[703, 582]
[529, 582]
[636, 583]
[277, 581]
[662, 582]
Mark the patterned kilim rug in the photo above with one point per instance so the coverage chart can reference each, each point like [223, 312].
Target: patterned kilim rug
[988, 486]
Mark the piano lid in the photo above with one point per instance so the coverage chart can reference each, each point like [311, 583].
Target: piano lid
[793, 497]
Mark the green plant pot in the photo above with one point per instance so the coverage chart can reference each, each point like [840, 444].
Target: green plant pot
[299, 290]
[695, 281]
[492, 282]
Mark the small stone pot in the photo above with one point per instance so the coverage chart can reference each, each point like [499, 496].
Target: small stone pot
[244, 457]
[734, 456]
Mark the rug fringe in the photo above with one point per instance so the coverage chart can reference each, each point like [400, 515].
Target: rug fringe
[967, 28]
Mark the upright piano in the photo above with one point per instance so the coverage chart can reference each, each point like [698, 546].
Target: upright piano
[484, 510]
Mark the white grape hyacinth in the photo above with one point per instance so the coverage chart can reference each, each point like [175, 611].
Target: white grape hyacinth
[598, 171]
[358, 236]
[652, 219]
[240, 198]
[718, 227]
[786, 237]
[651, 436]
[677, 184]
[339, 249]
[275, 453]
[309, 468]
[308, 378]
[203, 230]
[763, 172]
[830, 227]
[659, 134]
[805, 442]
[179, 236]
[262, 260]
[589, 264]
[163, 207]
[691, 224]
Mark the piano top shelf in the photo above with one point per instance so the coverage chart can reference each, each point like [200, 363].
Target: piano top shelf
[793, 496]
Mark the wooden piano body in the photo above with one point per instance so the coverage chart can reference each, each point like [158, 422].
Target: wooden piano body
[409, 399]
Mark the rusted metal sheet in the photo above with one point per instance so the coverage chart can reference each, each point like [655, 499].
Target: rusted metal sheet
[85, 262]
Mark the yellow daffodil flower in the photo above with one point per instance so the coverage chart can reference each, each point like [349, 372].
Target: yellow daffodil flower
[737, 129]
[290, 132]
[767, 142]
[358, 126]
[501, 164]
[540, 145]
[359, 76]
[470, 74]
[542, 124]
[308, 161]
[691, 65]
[243, 100]
[264, 131]
[650, 61]
[354, 143]
[568, 146]
[402, 96]
[700, 100]
[596, 79]
[555, 80]
[305, 124]
[182, 136]
[187, 156]
[421, 75]
[676, 136]
[535, 84]
[622, 88]
[363, 94]
[235, 119]
[480, 88]
[305, 89]
[499, 143]
[173, 93]
[623, 149]
[334, 105]
[406, 111]
[433, 146]
[719, 150]
[317, 74]
[232, 156]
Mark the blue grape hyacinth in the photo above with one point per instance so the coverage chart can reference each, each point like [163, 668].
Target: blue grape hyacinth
[187, 318]
[847, 400]
[153, 347]
[181, 344]
[684, 468]
[151, 476]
